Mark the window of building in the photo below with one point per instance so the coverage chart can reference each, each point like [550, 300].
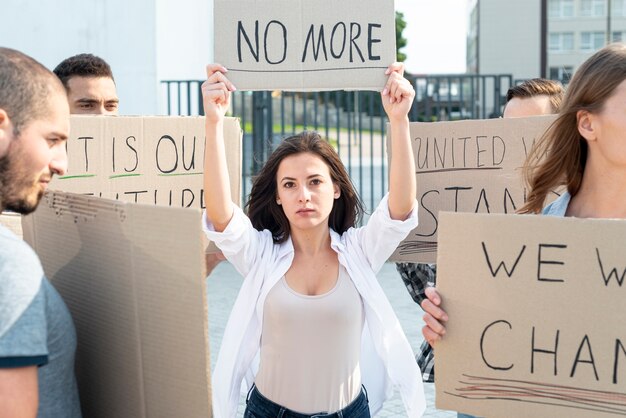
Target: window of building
[561, 42]
[560, 8]
[593, 8]
[563, 74]
[618, 8]
[591, 41]
[618, 36]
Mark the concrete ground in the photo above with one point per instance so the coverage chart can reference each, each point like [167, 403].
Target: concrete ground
[223, 285]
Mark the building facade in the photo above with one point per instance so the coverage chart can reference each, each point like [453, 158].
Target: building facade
[144, 41]
[506, 36]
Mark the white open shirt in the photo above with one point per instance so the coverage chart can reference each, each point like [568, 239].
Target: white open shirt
[387, 359]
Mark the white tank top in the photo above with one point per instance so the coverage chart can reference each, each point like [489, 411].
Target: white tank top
[310, 347]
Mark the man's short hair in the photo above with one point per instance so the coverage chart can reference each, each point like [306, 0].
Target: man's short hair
[82, 65]
[25, 87]
[537, 87]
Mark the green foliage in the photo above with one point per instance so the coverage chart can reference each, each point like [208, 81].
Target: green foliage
[400, 40]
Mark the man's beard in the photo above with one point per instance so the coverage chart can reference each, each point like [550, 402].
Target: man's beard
[18, 191]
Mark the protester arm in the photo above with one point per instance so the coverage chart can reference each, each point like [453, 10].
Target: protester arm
[19, 394]
[216, 100]
[397, 98]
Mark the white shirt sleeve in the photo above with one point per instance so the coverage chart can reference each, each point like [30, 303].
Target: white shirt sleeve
[380, 237]
[240, 242]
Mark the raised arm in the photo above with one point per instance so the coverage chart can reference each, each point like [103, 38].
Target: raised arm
[216, 99]
[397, 98]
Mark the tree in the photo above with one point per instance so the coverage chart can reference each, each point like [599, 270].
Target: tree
[400, 40]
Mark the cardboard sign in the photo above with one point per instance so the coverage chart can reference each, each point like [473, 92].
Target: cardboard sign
[151, 160]
[467, 166]
[536, 308]
[133, 279]
[305, 45]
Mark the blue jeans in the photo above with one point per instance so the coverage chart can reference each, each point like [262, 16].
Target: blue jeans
[461, 415]
[258, 406]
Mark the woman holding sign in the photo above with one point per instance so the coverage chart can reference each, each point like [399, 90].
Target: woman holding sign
[583, 150]
[311, 327]
[586, 144]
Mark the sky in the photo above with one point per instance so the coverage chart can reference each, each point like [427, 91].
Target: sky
[436, 33]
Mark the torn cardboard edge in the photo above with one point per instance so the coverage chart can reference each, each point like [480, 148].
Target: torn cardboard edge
[133, 278]
[146, 159]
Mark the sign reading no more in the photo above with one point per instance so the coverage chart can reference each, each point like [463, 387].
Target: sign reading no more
[304, 44]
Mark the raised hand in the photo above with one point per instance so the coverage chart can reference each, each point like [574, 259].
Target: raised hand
[398, 94]
[216, 92]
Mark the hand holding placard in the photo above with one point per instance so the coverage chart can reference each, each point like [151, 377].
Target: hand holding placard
[535, 316]
[302, 45]
[216, 92]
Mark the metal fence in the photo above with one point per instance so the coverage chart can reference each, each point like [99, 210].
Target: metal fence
[354, 122]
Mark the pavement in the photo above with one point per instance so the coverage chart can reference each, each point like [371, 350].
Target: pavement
[223, 285]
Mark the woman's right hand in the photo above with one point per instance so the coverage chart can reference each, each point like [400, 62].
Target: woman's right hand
[216, 100]
[216, 92]
[434, 317]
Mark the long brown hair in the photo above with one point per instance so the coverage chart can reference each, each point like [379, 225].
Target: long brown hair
[265, 213]
[560, 155]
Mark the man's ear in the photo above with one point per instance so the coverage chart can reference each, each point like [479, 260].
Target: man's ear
[4, 119]
[586, 125]
[6, 131]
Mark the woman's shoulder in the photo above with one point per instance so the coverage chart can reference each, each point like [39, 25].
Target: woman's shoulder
[558, 207]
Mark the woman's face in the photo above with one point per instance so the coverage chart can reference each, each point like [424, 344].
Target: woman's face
[607, 144]
[306, 191]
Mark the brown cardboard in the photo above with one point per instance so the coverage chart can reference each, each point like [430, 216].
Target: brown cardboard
[145, 159]
[467, 166]
[277, 44]
[133, 278]
[565, 285]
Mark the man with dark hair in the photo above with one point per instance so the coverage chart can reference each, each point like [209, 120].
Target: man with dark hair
[537, 96]
[37, 336]
[89, 83]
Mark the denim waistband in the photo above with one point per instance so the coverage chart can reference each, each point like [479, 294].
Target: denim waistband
[275, 410]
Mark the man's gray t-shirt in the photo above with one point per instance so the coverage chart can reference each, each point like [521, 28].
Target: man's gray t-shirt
[36, 328]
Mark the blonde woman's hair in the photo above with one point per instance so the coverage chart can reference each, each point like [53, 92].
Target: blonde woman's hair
[559, 157]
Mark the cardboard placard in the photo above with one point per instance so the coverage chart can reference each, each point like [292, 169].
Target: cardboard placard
[145, 159]
[133, 279]
[305, 45]
[536, 308]
[467, 166]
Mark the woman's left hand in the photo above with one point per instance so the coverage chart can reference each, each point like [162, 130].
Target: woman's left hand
[398, 94]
